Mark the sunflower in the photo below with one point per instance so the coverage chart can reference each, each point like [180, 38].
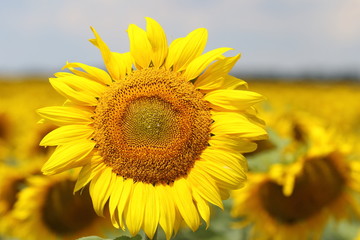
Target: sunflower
[49, 206]
[160, 135]
[297, 199]
[12, 181]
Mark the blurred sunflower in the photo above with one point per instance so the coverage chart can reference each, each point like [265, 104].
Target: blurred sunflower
[297, 200]
[161, 136]
[12, 181]
[29, 149]
[49, 206]
[5, 135]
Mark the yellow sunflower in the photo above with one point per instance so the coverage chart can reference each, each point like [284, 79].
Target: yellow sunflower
[48, 209]
[295, 201]
[12, 181]
[160, 135]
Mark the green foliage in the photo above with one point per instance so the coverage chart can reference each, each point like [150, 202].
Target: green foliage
[137, 237]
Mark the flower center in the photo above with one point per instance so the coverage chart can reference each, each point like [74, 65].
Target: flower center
[64, 213]
[152, 126]
[149, 121]
[321, 183]
[11, 188]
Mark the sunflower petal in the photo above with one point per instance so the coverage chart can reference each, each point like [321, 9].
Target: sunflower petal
[214, 76]
[231, 159]
[110, 64]
[225, 176]
[92, 73]
[198, 65]
[77, 97]
[124, 62]
[235, 123]
[167, 210]
[89, 171]
[234, 100]
[61, 115]
[152, 211]
[140, 46]
[185, 204]
[68, 156]
[126, 195]
[101, 188]
[157, 39]
[184, 50]
[203, 207]
[82, 84]
[114, 201]
[205, 186]
[66, 134]
[233, 143]
[136, 208]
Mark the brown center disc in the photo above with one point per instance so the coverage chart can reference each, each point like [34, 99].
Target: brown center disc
[320, 183]
[152, 126]
[65, 213]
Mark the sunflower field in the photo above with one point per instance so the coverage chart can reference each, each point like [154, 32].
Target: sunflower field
[303, 181]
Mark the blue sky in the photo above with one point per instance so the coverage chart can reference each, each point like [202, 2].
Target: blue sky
[273, 36]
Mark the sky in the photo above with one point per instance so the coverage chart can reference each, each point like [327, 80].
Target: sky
[278, 36]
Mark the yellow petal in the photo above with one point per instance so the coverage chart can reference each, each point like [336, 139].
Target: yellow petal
[235, 123]
[114, 201]
[77, 97]
[110, 63]
[225, 176]
[232, 142]
[126, 196]
[157, 39]
[101, 188]
[60, 115]
[152, 211]
[203, 207]
[183, 200]
[184, 50]
[66, 134]
[179, 221]
[69, 156]
[140, 47]
[233, 160]
[198, 65]
[89, 171]
[214, 76]
[172, 53]
[82, 84]
[205, 186]
[234, 100]
[92, 73]
[63, 74]
[124, 62]
[136, 207]
[167, 210]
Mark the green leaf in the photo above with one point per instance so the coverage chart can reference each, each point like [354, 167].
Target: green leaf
[137, 237]
[93, 238]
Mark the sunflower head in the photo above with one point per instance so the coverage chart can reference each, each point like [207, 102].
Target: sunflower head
[57, 212]
[299, 197]
[163, 129]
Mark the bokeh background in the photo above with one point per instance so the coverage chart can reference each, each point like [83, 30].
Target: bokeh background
[302, 55]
